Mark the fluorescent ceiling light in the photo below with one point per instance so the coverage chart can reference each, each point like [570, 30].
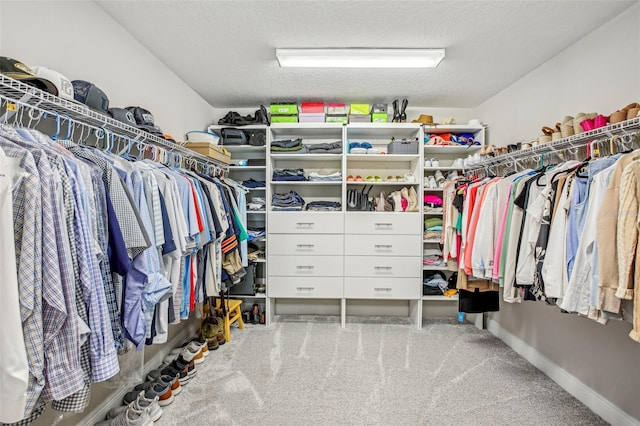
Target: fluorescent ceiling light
[360, 58]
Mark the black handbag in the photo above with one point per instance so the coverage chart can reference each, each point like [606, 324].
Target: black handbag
[256, 137]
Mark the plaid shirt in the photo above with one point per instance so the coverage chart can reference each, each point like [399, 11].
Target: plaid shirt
[61, 335]
[79, 400]
[135, 236]
[104, 358]
[146, 274]
[27, 220]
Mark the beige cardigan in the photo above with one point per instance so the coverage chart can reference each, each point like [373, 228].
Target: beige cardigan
[607, 228]
[627, 242]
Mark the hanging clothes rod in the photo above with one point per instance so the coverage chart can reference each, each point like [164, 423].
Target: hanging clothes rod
[572, 142]
[105, 140]
[20, 93]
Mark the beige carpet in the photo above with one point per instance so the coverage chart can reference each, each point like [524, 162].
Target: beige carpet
[317, 373]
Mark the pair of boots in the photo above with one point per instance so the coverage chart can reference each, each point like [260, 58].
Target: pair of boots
[254, 316]
[400, 115]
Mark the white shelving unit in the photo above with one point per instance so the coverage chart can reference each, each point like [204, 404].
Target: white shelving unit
[350, 262]
[446, 156]
[256, 169]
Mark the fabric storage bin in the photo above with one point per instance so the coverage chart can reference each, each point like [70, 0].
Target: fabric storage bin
[337, 109]
[359, 118]
[403, 147]
[360, 109]
[379, 117]
[284, 118]
[312, 107]
[332, 118]
[283, 108]
[311, 117]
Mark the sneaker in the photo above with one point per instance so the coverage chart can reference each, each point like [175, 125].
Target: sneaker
[432, 182]
[141, 403]
[439, 177]
[409, 177]
[452, 175]
[427, 163]
[191, 351]
[458, 163]
[435, 162]
[151, 389]
[129, 417]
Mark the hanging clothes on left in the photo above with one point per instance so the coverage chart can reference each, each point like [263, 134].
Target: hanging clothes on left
[106, 251]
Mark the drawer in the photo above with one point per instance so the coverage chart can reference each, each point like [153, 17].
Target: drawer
[309, 287]
[383, 245]
[367, 266]
[305, 266]
[384, 223]
[382, 288]
[301, 244]
[306, 223]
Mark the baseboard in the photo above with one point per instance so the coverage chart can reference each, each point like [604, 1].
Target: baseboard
[99, 412]
[593, 400]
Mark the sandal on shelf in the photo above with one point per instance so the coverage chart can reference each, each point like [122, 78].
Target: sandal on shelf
[358, 178]
[557, 134]
[370, 179]
[546, 135]
[409, 177]
[350, 178]
[390, 179]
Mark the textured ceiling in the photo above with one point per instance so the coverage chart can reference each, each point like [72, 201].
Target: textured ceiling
[225, 50]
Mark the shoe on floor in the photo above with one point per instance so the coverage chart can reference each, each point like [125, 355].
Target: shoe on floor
[129, 417]
[140, 404]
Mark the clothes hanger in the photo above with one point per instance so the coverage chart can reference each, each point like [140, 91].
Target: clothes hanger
[57, 118]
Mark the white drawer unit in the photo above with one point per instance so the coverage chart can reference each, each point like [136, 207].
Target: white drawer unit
[306, 266]
[306, 223]
[305, 244]
[382, 288]
[381, 223]
[382, 245]
[310, 287]
[383, 267]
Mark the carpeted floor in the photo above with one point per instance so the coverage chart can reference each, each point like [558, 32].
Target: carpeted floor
[317, 373]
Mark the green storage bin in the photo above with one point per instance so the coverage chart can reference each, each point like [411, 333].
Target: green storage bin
[379, 117]
[360, 109]
[284, 118]
[284, 108]
[336, 119]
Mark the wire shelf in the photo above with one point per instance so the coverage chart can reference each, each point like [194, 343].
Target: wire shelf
[574, 141]
[25, 94]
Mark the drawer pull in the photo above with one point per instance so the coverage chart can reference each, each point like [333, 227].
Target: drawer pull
[309, 224]
[382, 288]
[386, 246]
[383, 224]
[305, 245]
[305, 288]
[386, 268]
[304, 267]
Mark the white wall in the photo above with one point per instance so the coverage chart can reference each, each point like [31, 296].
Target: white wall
[79, 40]
[599, 73]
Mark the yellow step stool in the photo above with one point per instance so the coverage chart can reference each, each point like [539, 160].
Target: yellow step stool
[234, 313]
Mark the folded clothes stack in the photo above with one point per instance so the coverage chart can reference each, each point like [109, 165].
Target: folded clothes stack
[325, 148]
[291, 201]
[324, 206]
[326, 176]
[288, 175]
[433, 257]
[288, 146]
[257, 204]
[255, 233]
[252, 183]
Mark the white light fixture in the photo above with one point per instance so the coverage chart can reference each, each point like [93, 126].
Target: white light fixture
[360, 58]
